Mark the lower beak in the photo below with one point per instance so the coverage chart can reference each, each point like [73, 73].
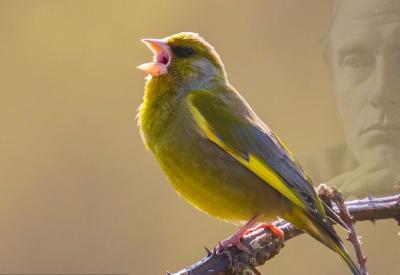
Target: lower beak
[161, 60]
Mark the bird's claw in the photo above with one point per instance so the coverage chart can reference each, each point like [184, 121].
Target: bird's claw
[272, 228]
[232, 241]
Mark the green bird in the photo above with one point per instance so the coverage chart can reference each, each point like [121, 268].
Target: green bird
[215, 150]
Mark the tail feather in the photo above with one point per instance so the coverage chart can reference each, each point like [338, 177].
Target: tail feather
[344, 255]
[323, 232]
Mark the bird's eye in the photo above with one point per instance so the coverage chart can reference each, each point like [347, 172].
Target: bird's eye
[182, 51]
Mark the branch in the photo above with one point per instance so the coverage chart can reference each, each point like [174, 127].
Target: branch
[264, 245]
[353, 237]
[331, 194]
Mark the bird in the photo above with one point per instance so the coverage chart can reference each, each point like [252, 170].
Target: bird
[217, 153]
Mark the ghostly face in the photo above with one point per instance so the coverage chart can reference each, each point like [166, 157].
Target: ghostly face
[364, 55]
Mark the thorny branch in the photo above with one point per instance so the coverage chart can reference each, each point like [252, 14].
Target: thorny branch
[264, 245]
[333, 195]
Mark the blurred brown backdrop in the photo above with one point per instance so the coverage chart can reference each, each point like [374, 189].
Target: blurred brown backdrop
[79, 193]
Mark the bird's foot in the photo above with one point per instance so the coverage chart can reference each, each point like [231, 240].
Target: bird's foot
[274, 230]
[233, 240]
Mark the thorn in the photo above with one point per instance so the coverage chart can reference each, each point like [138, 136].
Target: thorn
[214, 252]
[364, 260]
[370, 197]
[220, 247]
[255, 271]
[208, 251]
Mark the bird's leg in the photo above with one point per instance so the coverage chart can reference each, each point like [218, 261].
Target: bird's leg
[274, 229]
[235, 238]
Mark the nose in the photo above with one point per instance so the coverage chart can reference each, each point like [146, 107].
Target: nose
[384, 91]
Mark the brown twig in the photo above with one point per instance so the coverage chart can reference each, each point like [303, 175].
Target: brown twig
[331, 194]
[263, 245]
[353, 236]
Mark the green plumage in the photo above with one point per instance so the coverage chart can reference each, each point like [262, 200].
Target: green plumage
[218, 154]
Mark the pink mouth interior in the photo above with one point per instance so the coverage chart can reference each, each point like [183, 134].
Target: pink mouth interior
[162, 57]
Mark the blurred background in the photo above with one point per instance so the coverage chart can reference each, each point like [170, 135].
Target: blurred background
[78, 191]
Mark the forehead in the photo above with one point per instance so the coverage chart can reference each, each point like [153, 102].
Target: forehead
[186, 39]
[353, 13]
[368, 21]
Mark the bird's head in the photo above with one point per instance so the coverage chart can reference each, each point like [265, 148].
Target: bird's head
[183, 59]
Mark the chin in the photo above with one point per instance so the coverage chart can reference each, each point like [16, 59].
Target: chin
[382, 154]
[375, 145]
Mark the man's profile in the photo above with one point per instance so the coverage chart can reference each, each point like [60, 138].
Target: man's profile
[362, 50]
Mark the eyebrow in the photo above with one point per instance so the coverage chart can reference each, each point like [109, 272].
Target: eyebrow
[365, 42]
[353, 46]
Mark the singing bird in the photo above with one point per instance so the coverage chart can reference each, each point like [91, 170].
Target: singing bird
[217, 153]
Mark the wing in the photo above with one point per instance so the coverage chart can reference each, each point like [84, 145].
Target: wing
[225, 119]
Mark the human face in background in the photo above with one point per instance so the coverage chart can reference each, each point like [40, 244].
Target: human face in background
[364, 54]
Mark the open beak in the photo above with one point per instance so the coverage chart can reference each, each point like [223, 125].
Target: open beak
[161, 59]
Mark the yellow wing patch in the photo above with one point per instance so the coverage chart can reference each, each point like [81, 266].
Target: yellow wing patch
[254, 164]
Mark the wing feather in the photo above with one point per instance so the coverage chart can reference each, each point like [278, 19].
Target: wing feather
[255, 147]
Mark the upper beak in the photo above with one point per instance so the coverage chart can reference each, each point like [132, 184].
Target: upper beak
[161, 60]
[156, 45]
